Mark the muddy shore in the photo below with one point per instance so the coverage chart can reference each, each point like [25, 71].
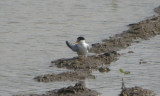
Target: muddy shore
[78, 90]
[107, 50]
[137, 91]
[138, 31]
[72, 76]
[106, 53]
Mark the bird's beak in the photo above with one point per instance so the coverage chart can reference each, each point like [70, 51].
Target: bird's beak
[75, 42]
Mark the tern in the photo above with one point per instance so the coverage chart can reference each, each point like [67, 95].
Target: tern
[80, 46]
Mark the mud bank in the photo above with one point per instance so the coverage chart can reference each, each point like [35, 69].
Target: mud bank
[78, 90]
[107, 50]
[92, 62]
[82, 69]
[109, 47]
[157, 10]
[137, 91]
[142, 30]
[72, 76]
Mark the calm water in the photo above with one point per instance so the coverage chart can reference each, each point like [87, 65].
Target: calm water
[33, 32]
[145, 74]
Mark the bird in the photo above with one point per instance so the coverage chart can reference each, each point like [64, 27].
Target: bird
[80, 46]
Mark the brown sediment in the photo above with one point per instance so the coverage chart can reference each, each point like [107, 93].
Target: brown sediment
[72, 76]
[82, 69]
[137, 91]
[92, 62]
[78, 90]
[104, 69]
[142, 30]
[157, 10]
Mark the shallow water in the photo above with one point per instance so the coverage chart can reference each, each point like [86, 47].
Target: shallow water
[144, 74]
[34, 32]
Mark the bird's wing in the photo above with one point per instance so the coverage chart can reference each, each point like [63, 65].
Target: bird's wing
[88, 47]
[73, 47]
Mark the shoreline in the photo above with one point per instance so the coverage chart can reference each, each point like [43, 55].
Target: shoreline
[106, 53]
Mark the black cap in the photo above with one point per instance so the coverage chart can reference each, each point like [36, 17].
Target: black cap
[80, 38]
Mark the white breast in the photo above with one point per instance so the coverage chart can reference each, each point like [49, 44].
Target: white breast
[82, 48]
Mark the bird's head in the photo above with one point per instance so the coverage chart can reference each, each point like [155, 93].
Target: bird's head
[80, 39]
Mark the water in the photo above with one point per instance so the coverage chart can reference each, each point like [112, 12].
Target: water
[34, 32]
[145, 74]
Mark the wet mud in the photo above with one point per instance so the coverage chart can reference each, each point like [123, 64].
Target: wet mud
[106, 52]
[78, 90]
[92, 62]
[71, 76]
[82, 69]
[137, 91]
[157, 10]
[138, 31]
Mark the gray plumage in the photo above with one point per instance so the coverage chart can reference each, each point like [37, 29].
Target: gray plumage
[73, 47]
[81, 47]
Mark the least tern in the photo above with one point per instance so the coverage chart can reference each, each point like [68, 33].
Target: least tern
[80, 46]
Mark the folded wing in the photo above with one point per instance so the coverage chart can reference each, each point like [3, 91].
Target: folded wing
[88, 47]
[73, 47]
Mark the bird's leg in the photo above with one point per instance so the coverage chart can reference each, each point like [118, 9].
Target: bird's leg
[84, 58]
[79, 57]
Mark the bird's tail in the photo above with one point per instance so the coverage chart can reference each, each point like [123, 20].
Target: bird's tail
[68, 44]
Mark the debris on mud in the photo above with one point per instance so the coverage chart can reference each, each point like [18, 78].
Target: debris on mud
[78, 90]
[72, 76]
[137, 91]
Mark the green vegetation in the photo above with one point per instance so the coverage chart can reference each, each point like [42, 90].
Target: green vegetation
[124, 73]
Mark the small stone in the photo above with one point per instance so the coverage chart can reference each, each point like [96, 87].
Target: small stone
[130, 52]
[102, 70]
[107, 54]
[142, 61]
